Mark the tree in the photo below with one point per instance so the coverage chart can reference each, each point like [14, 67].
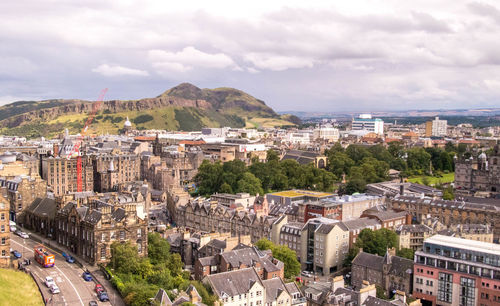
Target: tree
[376, 242]
[124, 257]
[209, 177]
[158, 248]
[353, 252]
[249, 183]
[448, 194]
[282, 253]
[272, 155]
[225, 188]
[406, 253]
[174, 264]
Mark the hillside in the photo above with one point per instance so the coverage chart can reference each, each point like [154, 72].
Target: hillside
[183, 107]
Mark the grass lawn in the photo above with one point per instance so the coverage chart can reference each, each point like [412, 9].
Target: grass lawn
[446, 178]
[18, 288]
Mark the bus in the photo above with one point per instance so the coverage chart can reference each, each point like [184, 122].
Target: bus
[43, 257]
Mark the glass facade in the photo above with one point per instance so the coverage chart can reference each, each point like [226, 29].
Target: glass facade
[467, 295]
[445, 287]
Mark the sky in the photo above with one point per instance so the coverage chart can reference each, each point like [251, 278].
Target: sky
[311, 55]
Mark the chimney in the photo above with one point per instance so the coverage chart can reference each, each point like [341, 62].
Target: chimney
[338, 282]
[366, 291]
[400, 295]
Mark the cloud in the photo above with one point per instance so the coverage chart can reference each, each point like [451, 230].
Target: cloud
[334, 55]
[278, 62]
[189, 58]
[112, 71]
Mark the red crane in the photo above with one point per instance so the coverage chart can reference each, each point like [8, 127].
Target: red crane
[79, 140]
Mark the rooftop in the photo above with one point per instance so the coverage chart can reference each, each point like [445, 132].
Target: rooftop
[300, 193]
[465, 244]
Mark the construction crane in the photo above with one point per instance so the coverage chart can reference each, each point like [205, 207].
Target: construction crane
[76, 148]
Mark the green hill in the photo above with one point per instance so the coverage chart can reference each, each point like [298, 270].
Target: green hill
[184, 107]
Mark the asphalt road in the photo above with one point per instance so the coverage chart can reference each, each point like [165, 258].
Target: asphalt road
[68, 277]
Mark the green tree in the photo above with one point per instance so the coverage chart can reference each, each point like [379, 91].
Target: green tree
[158, 248]
[249, 183]
[174, 264]
[339, 164]
[448, 194]
[282, 253]
[376, 242]
[209, 177]
[272, 155]
[406, 253]
[124, 257]
[357, 152]
[225, 188]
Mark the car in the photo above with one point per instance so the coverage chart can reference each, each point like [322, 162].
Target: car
[306, 274]
[17, 254]
[93, 303]
[87, 276]
[24, 235]
[54, 289]
[68, 258]
[103, 296]
[99, 288]
[49, 281]
[12, 229]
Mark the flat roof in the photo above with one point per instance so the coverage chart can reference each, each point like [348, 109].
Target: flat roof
[300, 193]
[467, 244]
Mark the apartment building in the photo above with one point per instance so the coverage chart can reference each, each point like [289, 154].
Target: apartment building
[61, 174]
[233, 200]
[114, 170]
[324, 245]
[22, 190]
[4, 233]
[456, 271]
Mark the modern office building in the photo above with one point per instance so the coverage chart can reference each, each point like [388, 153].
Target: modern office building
[367, 123]
[436, 128]
[456, 271]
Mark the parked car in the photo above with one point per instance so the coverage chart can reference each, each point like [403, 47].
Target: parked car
[54, 289]
[22, 234]
[103, 296]
[12, 229]
[99, 288]
[306, 274]
[49, 281]
[16, 254]
[87, 276]
[68, 258]
[93, 303]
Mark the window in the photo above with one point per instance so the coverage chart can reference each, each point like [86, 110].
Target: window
[2, 216]
[467, 294]
[445, 286]
[122, 235]
[3, 240]
[3, 252]
[2, 228]
[103, 252]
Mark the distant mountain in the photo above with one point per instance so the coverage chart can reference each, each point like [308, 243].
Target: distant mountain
[183, 107]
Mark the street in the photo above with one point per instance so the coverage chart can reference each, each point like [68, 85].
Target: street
[68, 277]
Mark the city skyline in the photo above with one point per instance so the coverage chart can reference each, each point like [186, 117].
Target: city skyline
[361, 55]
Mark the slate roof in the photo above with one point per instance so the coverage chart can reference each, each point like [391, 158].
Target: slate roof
[118, 214]
[302, 157]
[370, 261]
[233, 283]
[208, 261]
[360, 223]
[162, 298]
[401, 266]
[43, 207]
[274, 287]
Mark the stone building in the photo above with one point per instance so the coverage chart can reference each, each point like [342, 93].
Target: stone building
[481, 173]
[411, 236]
[89, 231]
[22, 190]
[113, 170]
[266, 266]
[61, 174]
[389, 272]
[210, 217]
[4, 233]
[466, 211]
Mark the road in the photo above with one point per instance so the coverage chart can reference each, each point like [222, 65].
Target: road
[68, 277]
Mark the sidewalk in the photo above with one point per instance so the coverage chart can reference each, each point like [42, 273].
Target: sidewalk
[97, 275]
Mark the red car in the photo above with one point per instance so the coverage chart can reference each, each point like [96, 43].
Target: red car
[99, 288]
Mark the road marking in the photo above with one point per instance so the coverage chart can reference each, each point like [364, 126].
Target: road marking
[55, 266]
[76, 291]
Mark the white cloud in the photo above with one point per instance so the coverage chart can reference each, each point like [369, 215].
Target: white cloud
[189, 58]
[278, 62]
[112, 71]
